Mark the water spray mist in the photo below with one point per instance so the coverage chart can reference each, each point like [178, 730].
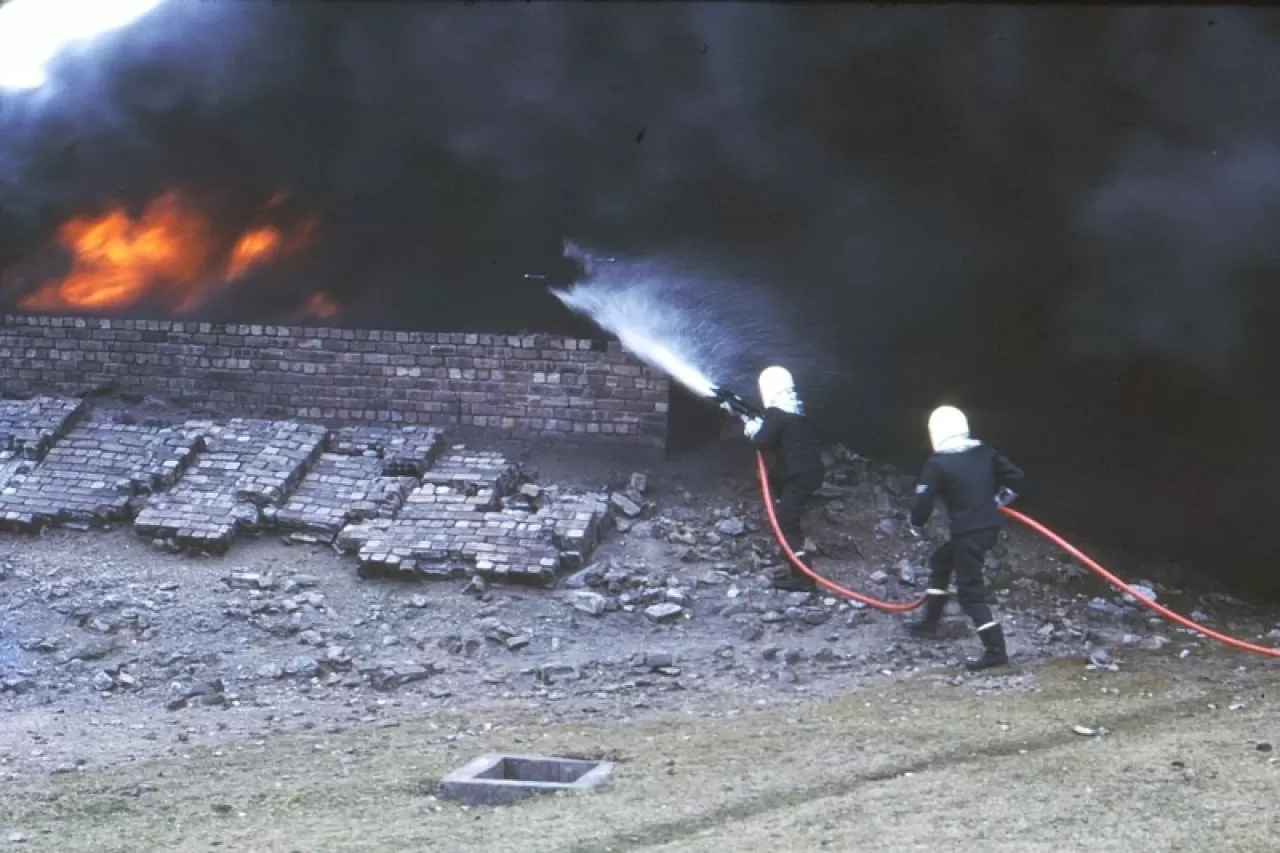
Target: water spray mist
[664, 317]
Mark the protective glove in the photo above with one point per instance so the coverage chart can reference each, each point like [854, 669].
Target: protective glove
[726, 407]
[1006, 496]
[752, 427]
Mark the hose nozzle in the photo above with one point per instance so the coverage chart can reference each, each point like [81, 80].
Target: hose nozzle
[735, 405]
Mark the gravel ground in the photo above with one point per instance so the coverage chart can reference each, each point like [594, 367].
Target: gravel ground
[113, 651]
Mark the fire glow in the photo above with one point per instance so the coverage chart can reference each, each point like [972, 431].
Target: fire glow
[170, 253]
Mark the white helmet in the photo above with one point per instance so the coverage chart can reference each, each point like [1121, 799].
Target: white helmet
[948, 427]
[778, 390]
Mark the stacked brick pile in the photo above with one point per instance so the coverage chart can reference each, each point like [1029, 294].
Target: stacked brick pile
[28, 428]
[96, 474]
[387, 494]
[248, 466]
[455, 524]
[366, 474]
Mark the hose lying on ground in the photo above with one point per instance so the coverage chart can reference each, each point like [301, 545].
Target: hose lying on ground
[767, 496]
[1089, 563]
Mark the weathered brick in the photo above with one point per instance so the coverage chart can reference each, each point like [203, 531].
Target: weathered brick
[516, 383]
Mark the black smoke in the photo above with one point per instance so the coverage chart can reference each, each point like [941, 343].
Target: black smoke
[1062, 220]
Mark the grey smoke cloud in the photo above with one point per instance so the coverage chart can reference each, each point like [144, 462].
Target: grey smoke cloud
[894, 159]
[960, 202]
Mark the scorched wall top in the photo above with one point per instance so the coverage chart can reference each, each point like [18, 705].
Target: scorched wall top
[518, 384]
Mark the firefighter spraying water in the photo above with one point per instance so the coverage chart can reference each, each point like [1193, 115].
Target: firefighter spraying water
[973, 480]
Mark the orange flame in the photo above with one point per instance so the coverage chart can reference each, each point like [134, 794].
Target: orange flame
[170, 252]
[252, 248]
[322, 305]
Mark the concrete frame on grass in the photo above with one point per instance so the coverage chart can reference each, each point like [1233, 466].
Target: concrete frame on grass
[496, 779]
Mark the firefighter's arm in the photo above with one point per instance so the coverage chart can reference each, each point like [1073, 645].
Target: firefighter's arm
[926, 492]
[765, 433]
[1008, 475]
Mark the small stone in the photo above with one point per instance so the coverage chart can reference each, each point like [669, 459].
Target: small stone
[770, 652]
[17, 838]
[271, 670]
[879, 576]
[907, 573]
[311, 638]
[302, 667]
[1084, 731]
[477, 586]
[639, 483]
[658, 660]
[815, 617]
[731, 527]
[1264, 747]
[625, 505]
[794, 656]
[550, 673]
[583, 578]
[518, 642]
[419, 601]
[1143, 588]
[661, 613]
[103, 682]
[390, 676]
[590, 603]
[243, 580]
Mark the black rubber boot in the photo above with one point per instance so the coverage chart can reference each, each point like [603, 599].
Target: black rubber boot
[994, 653]
[927, 626]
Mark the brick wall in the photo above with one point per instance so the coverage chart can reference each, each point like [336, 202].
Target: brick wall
[519, 385]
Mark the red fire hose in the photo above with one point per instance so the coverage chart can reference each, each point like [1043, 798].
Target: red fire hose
[1088, 562]
[767, 496]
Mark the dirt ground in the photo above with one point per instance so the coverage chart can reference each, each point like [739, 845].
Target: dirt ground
[1171, 761]
[269, 699]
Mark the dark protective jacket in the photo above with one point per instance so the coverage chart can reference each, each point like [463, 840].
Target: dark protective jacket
[794, 442]
[967, 482]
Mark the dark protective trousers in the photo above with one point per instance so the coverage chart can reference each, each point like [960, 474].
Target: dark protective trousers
[962, 556]
[793, 497]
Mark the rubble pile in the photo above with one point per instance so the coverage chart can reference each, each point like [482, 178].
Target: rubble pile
[97, 474]
[472, 470]
[388, 494]
[675, 603]
[457, 522]
[247, 469]
[28, 428]
[366, 474]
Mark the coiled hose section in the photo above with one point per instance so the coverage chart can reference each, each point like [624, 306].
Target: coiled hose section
[891, 607]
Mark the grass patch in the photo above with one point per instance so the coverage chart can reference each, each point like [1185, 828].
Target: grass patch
[919, 765]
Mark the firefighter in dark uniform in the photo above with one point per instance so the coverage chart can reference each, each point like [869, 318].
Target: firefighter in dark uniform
[973, 480]
[796, 471]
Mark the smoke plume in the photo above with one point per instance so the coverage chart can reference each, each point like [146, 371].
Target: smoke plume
[1060, 219]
